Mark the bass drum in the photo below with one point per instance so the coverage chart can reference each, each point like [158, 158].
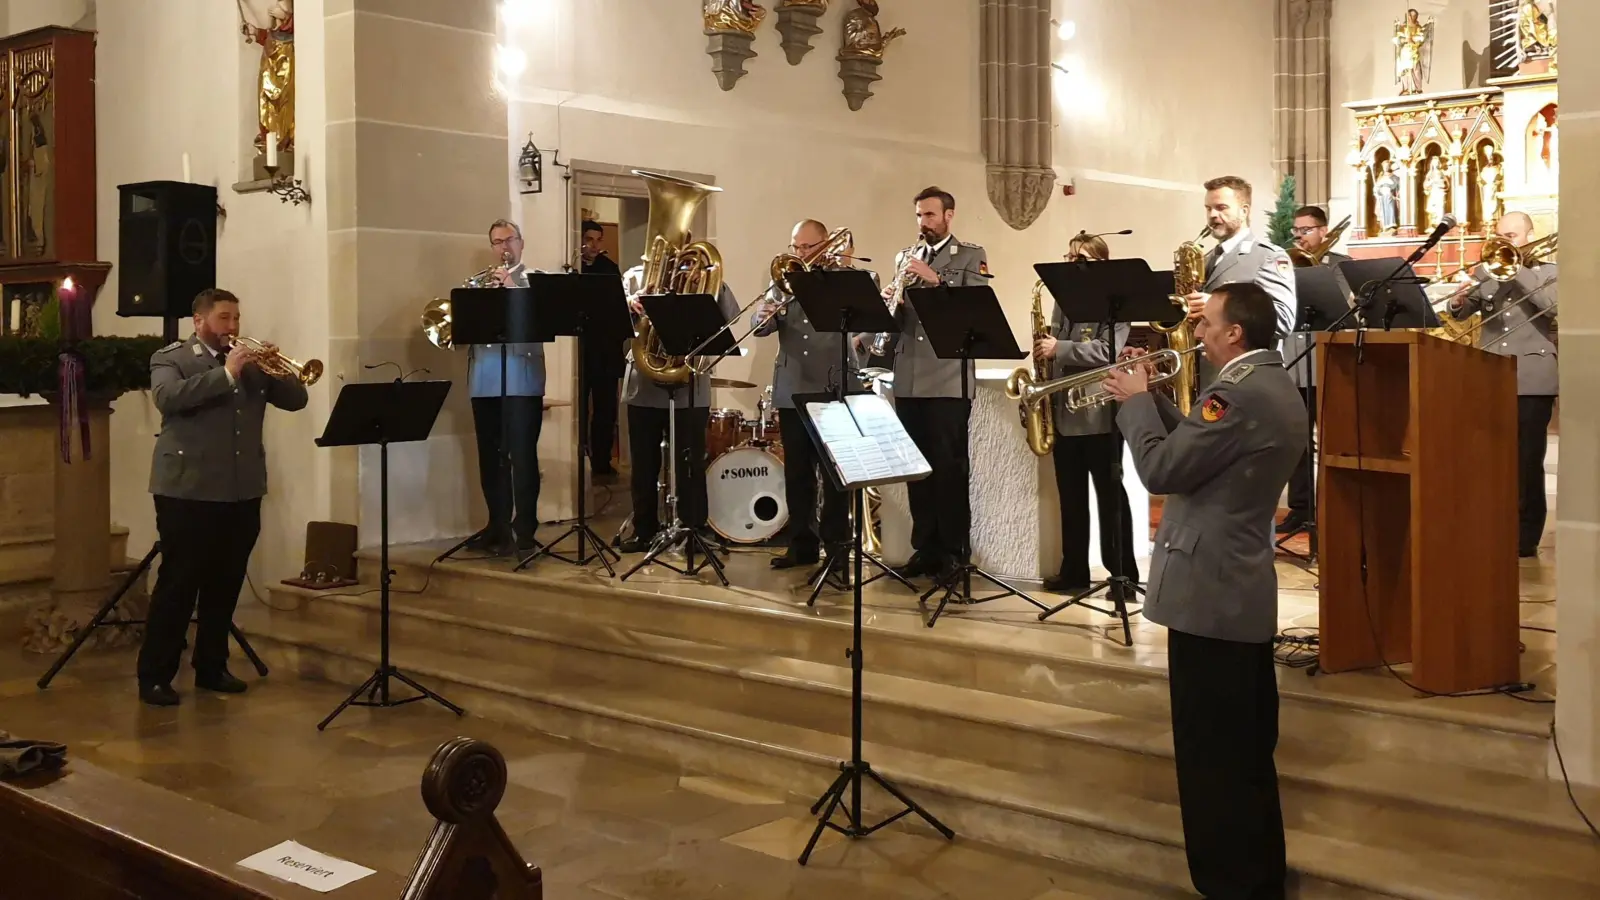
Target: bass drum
[744, 495]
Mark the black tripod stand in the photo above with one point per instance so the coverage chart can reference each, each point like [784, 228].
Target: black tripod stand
[965, 324]
[99, 621]
[384, 413]
[853, 771]
[596, 310]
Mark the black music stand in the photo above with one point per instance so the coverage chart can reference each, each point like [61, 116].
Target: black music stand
[846, 302]
[1389, 296]
[1112, 292]
[855, 430]
[687, 324]
[384, 413]
[589, 308]
[1324, 305]
[965, 324]
[498, 316]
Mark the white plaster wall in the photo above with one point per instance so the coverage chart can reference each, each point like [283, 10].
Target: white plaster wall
[167, 75]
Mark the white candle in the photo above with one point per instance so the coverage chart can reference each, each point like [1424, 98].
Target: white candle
[186, 178]
[16, 315]
[272, 149]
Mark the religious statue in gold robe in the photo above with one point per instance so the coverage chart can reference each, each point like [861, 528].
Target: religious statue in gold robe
[734, 15]
[1434, 189]
[863, 36]
[275, 77]
[1536, 31]
[1490, 184]
[1413, 52]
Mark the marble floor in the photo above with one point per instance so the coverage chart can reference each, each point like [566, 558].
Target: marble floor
[600, 825]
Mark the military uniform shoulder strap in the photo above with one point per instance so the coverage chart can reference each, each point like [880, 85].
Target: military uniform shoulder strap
[1237, 374]
[969, 246]
[171, 347]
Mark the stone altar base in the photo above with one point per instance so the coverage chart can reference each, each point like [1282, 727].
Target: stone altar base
[1049, 739]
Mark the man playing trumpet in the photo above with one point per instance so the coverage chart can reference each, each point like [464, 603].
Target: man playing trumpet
[208, 475]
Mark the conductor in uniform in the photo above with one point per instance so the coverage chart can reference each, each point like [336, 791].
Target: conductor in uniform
[1310, 232]
[208, 474]
[1511, 305]
[927, 391]
[1212, 583]
[1086, 446]
[807, 363]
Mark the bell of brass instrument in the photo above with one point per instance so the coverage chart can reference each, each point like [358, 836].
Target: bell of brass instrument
[274, 363]
[436, 314]
[834, 251]
[673, 264]
[1503, 261]
[1038, 419]
[1304, 259]
[896, 292]
[1086, 390]
[1188, 276]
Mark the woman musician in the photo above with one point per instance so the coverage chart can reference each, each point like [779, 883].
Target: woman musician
[1087, 445]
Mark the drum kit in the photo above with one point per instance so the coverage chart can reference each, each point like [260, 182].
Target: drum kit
[745, 501]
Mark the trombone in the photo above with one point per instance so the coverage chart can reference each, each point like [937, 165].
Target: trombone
[1503, 260]
[1303, 259]
[1087, 390]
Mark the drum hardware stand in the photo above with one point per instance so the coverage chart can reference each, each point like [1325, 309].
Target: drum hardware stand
[677, 533]
[99, 621]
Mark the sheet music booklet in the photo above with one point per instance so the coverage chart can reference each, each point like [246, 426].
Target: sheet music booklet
[865, 442]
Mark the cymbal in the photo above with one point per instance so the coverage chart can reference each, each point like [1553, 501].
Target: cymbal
[730, 383]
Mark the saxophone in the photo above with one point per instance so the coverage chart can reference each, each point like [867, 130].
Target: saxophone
[895, 294]
[1038, 418]
[1188, 276]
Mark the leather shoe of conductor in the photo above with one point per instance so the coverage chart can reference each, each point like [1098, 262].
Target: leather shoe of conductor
[222, 682]
[158, 695]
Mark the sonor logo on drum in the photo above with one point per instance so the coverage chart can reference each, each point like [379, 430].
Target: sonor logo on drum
[747, 472]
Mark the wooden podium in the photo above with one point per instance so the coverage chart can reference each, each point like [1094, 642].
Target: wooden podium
[1418, 458]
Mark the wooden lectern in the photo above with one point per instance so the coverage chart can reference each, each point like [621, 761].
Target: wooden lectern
[1419, 458]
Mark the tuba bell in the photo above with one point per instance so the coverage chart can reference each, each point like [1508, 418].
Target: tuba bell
[673, 264]
[1188, 276]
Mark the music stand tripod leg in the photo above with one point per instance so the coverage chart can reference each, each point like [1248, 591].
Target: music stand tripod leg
[249, 651]
[100, 616]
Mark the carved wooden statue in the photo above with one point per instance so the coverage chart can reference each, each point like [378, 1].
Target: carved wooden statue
[731, 34]
[861, 51]
[469, 856]
[1413, 52]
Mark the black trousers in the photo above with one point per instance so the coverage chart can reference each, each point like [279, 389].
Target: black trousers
[647, 428]
[1533, 438]
[941, 510]
[602, 386]
[523, 418]
[1078, 459]
[1224, 732]
[802, 478]
[205, 549]
[1300, 480]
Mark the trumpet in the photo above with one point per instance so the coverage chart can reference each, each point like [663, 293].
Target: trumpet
[1086, 390]
[274, 363]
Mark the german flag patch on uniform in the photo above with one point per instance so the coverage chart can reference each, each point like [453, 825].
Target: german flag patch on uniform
[1213, 409]
[983, 267]
[1284, 266]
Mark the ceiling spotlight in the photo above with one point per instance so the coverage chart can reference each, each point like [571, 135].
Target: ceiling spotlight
[1067, 30]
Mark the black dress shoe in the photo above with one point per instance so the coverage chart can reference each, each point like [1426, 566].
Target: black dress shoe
[526, 543]
[918, 564]
[222, 682]
[1528, 553]
[1291, 524]
[1055, 584]
[158, 695]
[795, 558]
[637, 544]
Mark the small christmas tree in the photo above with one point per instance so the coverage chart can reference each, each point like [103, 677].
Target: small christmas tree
[1280, 225]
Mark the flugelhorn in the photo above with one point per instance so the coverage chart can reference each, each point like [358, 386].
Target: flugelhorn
[274, 363]
[1086, 390]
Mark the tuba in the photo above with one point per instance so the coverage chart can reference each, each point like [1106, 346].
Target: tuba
[1188, 276]
[673, 264]
[1304, 259]
[1038, 418]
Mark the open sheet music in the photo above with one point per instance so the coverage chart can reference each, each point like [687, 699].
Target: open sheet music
[865, 442]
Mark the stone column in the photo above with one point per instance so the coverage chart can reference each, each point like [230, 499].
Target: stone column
[82, 570]
[1578, 485]
[1302, 89]
[1014, 62]
[1408, 199]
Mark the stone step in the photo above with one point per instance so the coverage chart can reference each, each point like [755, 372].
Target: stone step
[1129, 795]
[27, 558]
[1490, 733]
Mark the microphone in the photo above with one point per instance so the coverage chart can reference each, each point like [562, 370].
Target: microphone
[1085, 234]
[1439, 231]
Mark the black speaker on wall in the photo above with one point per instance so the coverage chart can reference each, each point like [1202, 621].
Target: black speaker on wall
[167, 247]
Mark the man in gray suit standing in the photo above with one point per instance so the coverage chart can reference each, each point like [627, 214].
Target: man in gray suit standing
[1511, 305]
[927, 391]
[1310, 231]
[1212, 583]
[1086, 446]
[208, 474]
[807, 363]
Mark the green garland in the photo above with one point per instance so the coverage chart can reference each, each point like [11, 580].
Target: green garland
[1280, 226]
[113, 365]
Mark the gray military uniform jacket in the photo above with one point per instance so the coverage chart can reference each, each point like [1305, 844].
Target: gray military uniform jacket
[1532, 346]
[808, 360]
[1080, 347]
[1263, 263]
[210, 445]
[1222, 470]
[638, 390]
[918, 372]
[1304, 374]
